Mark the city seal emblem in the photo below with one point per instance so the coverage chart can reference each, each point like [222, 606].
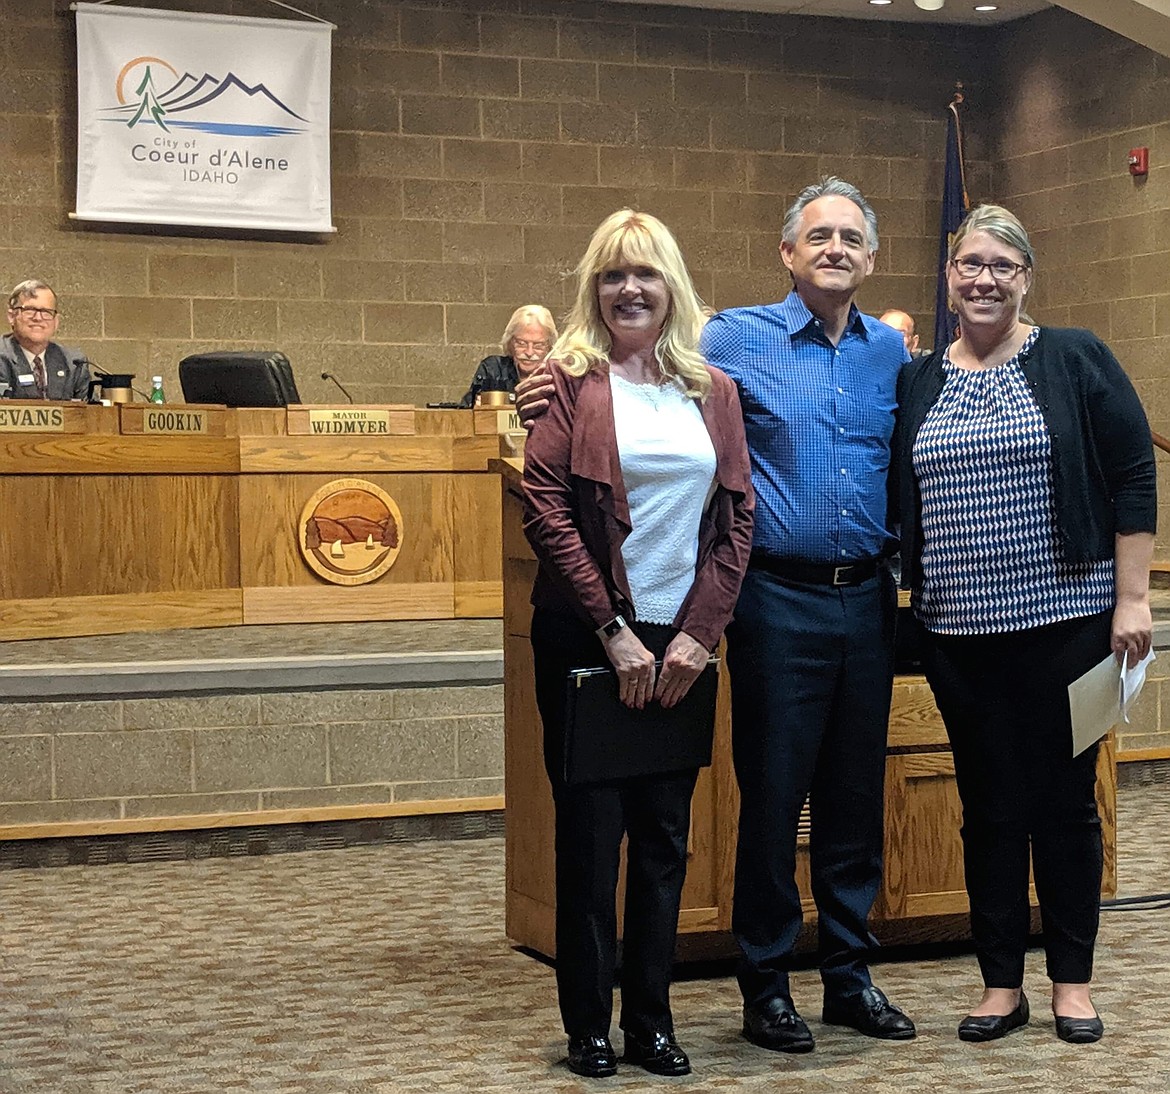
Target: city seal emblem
[350, 532]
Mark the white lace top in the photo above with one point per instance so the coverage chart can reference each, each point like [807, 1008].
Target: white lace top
[668, 467]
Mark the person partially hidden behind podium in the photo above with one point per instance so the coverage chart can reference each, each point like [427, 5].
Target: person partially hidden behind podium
[638, 504]
[32, 366]
[526, 341]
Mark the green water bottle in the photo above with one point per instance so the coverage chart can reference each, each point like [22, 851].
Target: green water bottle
[156, 390]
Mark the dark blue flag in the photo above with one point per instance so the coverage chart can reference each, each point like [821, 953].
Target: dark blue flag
[954, 209]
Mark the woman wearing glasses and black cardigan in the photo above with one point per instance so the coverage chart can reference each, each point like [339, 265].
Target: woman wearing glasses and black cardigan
[1024, 476]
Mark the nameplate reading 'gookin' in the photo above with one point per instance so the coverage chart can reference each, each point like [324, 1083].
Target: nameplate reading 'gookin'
[350, 532]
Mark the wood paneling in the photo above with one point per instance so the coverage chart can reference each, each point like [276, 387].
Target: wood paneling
[479, 599]
[82, 535]
[102, 515]
[101, 454]
[923, 855]
[341, 455]
[51, 617]
[334, 603]
[270, 509]
[476, 535]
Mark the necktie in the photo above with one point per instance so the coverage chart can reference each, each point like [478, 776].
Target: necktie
[40, 378]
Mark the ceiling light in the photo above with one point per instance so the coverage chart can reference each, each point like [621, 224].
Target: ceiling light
[880, 3]
[987, 7]
[929, 5]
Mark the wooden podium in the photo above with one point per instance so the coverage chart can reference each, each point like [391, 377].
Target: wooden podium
[922, 898]
[145, 517]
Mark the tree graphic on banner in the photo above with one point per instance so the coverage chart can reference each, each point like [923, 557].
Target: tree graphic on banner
[148, 103]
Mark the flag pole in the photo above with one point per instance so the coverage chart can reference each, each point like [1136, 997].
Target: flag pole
[956, 101]
[955, 204]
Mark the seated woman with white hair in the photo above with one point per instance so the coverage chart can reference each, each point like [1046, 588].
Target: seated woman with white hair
[526, 341]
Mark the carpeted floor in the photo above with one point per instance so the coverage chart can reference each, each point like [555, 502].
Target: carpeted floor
[385, 969]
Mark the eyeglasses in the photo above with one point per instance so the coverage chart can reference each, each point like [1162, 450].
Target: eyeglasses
[1001, 269]
[34, 313]
[536, 347]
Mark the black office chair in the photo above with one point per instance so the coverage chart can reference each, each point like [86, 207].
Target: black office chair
[238, 378]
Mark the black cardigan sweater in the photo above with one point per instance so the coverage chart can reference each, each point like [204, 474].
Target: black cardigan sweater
[1103, 474]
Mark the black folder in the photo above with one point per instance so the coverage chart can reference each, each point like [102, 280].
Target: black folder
[607, 740]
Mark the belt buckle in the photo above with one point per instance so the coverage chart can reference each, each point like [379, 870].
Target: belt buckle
[841, 574]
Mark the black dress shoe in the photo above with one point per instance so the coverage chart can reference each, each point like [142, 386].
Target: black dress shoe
[1079, 1031]
[776, 1025]
[592, 1057]
[657, 1052]
[991, 1027]
[870, 1013]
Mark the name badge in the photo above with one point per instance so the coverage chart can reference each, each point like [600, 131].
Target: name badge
[27, 378]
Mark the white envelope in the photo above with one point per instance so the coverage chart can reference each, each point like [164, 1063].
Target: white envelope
[1101, 698]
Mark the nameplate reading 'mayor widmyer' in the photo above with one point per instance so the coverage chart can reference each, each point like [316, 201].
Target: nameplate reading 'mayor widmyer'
[31, 417]
[351, 421]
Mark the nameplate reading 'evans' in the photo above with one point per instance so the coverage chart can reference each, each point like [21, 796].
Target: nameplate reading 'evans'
[41, 419]
[20, 415]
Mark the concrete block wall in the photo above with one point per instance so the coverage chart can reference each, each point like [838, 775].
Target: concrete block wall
[476, 144]
[1073, 99]
[177, 756]
[1149, 727]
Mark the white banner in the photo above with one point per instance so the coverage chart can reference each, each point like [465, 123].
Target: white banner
[216, 120]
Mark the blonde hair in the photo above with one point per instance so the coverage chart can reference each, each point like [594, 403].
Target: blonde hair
[528, 313]
[998, 223]
[627, 238]
[1001, 224]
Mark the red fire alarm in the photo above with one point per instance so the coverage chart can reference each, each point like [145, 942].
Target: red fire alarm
[1139, 161]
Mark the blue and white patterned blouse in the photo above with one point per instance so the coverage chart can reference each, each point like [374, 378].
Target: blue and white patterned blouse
[989, 549]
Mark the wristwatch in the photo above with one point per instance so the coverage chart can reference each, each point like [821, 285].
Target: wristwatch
[608, 630]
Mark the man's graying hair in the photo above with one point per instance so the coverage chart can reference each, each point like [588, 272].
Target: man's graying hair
[26, 289]
[830, 186]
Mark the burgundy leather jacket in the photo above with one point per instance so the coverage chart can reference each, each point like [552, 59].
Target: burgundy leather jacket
[577, 515]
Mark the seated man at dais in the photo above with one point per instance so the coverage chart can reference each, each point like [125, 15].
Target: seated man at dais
[32, 365]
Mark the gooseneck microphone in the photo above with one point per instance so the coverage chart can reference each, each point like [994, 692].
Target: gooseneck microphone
[340, 385]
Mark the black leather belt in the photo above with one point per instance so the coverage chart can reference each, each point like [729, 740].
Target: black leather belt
[816, 573]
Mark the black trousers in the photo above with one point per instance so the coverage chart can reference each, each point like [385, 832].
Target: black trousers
[653, 813]
[1004, 700]
[811, 677]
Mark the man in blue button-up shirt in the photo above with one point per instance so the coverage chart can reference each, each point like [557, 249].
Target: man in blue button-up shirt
[811, 648]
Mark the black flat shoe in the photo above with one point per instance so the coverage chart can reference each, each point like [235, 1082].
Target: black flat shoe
[776, 1025]
[871, 1013]
[1079, 1031]
[991, 1027]
[657, 1052]
[592, 1057]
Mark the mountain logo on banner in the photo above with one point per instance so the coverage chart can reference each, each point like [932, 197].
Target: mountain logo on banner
[229, 106]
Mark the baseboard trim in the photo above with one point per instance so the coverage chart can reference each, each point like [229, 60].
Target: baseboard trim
[250, 818]
[1137, 755]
